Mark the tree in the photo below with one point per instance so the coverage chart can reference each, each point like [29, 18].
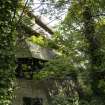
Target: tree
[80, 41]
[7, 56]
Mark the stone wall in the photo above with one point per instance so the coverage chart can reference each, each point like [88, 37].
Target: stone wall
[29, 88]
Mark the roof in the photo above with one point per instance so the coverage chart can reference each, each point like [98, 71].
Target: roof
[26, 49]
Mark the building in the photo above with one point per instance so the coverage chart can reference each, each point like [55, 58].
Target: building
[29, 60]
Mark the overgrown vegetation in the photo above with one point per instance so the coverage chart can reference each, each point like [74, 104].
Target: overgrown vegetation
[7, 56]
[81, 45]
[78, 71]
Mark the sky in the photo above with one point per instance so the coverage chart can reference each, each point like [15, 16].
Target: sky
[47, 19]
[39, 8]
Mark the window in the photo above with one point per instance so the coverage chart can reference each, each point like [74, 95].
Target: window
[32, 101]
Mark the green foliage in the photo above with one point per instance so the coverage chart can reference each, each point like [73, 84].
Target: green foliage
[7, 57]
[80, 41]
[64, 100]
[57, 68]
[38, 40]
[42, 41]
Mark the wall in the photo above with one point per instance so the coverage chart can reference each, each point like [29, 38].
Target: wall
[29, 88]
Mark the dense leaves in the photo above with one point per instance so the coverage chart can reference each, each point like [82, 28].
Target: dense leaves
[80, 41]
[7, 35]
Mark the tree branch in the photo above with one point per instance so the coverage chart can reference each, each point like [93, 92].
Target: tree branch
[39, 22]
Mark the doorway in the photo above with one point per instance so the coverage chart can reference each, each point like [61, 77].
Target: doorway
[32, 101]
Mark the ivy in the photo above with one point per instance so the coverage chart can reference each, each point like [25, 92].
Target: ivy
[7, 57]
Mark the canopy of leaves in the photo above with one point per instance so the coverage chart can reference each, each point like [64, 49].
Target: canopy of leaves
[80, 41]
